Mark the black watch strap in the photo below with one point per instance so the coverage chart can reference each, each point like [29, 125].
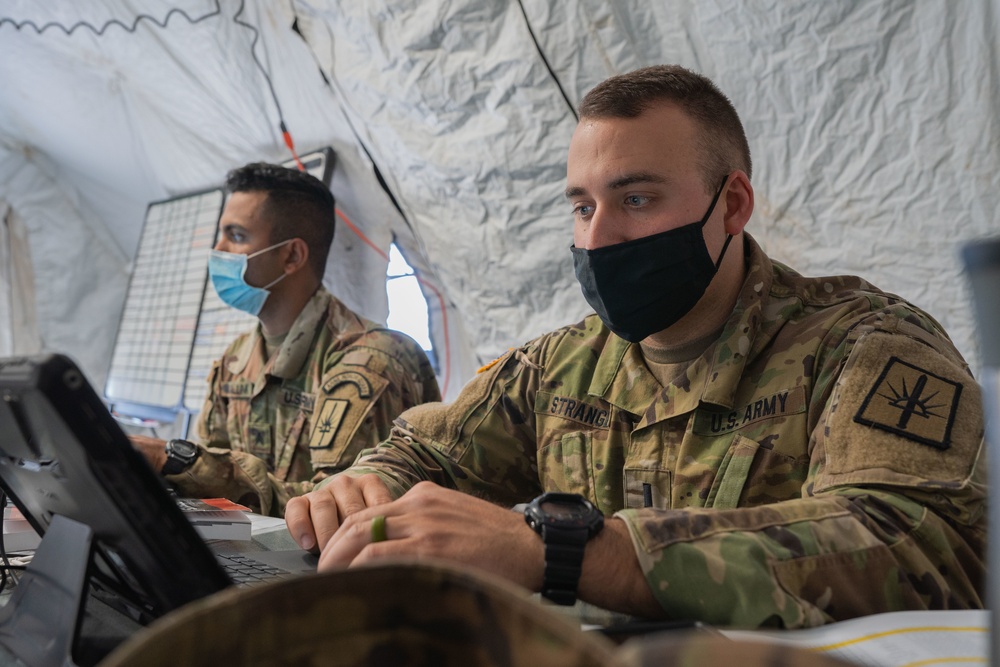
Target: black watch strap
[181, 455]
[563, 563]
[565, 522]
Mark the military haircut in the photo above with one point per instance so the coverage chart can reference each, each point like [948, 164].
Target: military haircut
[722, 138]
[297, 205]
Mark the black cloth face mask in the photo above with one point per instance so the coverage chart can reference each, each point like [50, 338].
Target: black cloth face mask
[645, 285]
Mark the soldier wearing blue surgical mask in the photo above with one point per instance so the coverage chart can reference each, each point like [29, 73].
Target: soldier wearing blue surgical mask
[295, 399]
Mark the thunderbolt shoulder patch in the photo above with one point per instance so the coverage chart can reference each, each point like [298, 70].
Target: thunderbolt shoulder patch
[913, 403]
[903, 414]
[331, 414]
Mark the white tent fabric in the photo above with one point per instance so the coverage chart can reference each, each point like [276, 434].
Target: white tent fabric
[872, 125]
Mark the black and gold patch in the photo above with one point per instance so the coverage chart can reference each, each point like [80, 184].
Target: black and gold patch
[331, 414]
[912, 403]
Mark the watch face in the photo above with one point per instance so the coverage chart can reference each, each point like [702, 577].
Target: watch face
[564, 512]
[184, 448]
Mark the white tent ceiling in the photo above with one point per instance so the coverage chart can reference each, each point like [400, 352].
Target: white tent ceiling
[872, 124]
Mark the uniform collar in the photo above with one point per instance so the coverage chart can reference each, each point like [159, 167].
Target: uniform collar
[621, 375]
[288, 360]
[738, 341]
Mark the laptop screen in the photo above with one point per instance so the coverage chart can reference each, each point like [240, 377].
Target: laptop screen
[62, 453]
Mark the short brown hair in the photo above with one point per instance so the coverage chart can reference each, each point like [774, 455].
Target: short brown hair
[297, 205]
[723, 141]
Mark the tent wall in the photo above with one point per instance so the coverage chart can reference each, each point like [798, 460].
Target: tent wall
[871, 122]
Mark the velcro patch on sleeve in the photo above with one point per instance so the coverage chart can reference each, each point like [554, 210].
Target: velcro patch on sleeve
[336, 434]
[913, 403]
[331, 413]
[902, 414]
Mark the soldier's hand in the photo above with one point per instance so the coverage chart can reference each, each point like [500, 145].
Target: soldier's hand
[312, 519]
[431, 521]
[154, 449]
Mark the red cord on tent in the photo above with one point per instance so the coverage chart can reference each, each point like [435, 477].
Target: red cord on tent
[444, 313]
[291, 144]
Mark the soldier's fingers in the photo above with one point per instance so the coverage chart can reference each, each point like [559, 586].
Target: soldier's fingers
[374, 490]
[312, 519]
[358, 532]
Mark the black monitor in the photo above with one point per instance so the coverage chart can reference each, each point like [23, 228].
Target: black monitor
[982, 266]
[75, 476]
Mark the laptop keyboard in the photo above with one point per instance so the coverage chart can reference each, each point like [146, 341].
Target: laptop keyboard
[245, 571]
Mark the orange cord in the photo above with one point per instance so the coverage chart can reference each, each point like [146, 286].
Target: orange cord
[287, 136]
[444, 313]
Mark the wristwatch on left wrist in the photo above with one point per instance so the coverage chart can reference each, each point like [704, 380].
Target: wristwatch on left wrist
[566, 522]
[181, 455]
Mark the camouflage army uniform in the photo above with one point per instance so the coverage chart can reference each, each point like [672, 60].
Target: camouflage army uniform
[821, 460]
[271, 429]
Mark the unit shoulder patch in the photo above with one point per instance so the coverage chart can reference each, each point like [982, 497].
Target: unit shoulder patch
[901, 414]
[331, 414]
[912, 403]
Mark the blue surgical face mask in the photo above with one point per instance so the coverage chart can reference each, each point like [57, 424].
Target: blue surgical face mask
[227, 271]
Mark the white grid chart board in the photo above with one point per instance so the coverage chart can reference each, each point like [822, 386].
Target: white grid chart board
[155, 337]
[218, 326]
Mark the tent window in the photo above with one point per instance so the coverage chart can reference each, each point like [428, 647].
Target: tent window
[407, 305]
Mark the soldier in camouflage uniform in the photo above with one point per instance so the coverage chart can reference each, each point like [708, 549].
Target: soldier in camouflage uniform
[769, 449]
[296, 399]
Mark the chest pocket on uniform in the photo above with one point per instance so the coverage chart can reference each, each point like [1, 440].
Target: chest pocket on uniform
[237, 395]
[566, 430]
[647, 487]
[733, 473]
[564, 465]
[752, 474]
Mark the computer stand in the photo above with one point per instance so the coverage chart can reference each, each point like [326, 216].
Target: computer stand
[40, 622]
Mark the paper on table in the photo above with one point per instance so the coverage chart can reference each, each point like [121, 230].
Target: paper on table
[894, 639]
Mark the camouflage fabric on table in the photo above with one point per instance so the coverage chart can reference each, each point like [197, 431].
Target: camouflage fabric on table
[823, 459]
[391, 614]
[272, 428]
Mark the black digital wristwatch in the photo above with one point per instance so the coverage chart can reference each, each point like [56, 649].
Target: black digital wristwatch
[181, 455]
[566, 522]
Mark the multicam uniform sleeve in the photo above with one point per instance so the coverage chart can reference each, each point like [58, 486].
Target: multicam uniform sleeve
[220, 472]
[211, 423]
[359, 399]
[483, 443]
[360, 393]
[891, 515]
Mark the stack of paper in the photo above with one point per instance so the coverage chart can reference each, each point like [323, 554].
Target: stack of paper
[217, 518]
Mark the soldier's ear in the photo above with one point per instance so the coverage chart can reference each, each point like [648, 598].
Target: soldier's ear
[739, 202]
[298, 255]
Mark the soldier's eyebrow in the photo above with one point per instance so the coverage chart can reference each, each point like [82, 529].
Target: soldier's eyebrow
[620, 182]
[632, 179]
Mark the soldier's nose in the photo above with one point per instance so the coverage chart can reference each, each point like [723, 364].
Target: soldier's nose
[599, 233]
